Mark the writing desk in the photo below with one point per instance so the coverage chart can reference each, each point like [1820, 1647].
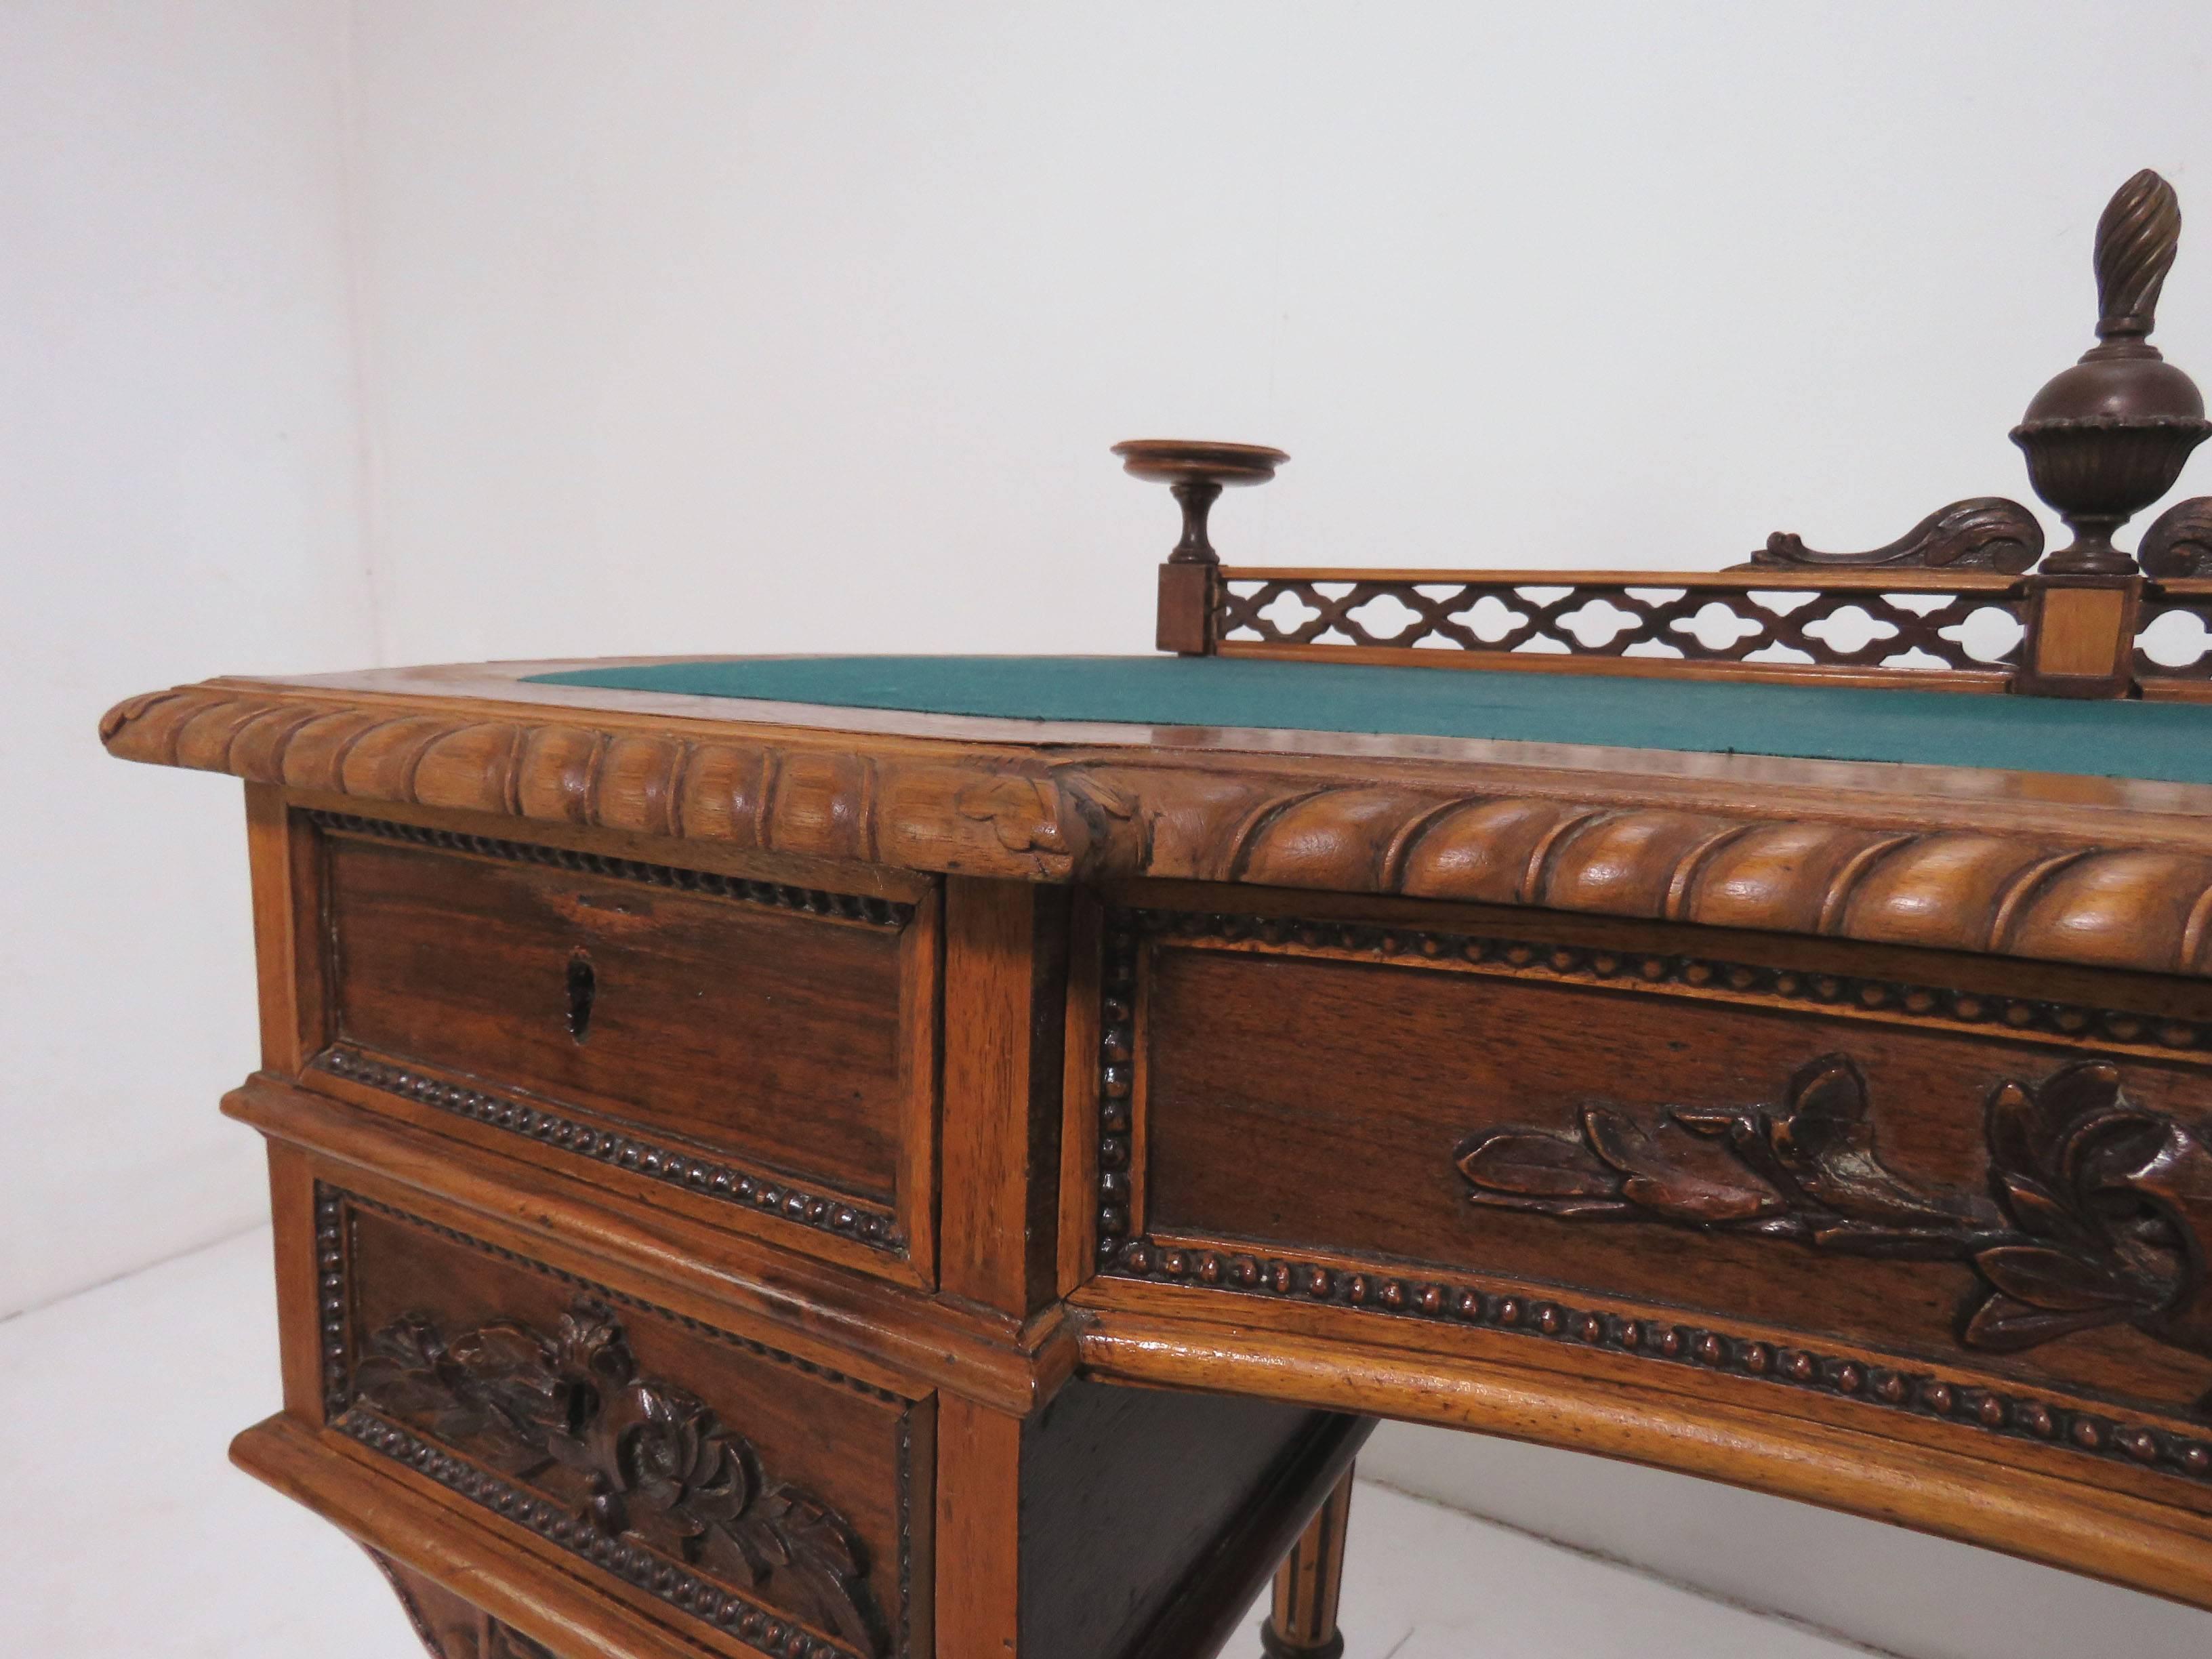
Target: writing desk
[874, 1157]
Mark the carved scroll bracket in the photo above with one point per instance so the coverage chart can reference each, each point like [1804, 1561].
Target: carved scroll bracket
[1987, 532]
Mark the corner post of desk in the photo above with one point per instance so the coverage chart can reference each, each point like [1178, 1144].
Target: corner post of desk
[2081, 636]
[1005, 989]
[1186, 609]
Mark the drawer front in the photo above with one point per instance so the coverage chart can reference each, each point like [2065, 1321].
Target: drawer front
[1949, 1200]
[764, 1049]
[765, 1500]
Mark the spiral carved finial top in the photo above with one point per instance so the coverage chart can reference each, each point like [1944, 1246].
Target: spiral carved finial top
[2137, 237]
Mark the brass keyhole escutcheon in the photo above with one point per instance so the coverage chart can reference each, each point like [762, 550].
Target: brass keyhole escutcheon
[583, 990]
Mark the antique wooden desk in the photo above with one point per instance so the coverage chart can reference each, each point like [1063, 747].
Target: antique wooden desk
[876, 1157]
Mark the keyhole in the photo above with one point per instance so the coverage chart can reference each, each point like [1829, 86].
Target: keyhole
[583, 986]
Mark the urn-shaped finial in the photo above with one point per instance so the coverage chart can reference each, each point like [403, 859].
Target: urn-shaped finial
[2108, 437]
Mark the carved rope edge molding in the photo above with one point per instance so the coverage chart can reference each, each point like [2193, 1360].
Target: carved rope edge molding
[756, 1626]
[823, 801]
[1391, 1290]
[1996, 891]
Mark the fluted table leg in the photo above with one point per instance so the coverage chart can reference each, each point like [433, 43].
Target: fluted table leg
[1303, 1624]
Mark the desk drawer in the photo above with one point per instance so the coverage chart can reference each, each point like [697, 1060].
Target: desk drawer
[1600, 1133]
[757, 1047]
[757, 1499]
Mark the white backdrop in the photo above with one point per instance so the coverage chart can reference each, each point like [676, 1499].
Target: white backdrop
[179, 466]
[415, 330]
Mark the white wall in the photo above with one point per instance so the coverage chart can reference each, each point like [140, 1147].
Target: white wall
[178, 497]
[713, 327]
[710, 326]
[707, 327]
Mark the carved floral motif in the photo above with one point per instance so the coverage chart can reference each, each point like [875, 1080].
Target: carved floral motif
[569, 1412]
[2097, 1213]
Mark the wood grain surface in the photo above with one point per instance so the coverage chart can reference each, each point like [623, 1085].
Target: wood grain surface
[765, 1033]
[2066, 869]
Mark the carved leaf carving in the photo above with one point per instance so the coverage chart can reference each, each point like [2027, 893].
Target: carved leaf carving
[641, 1456]
[2100, 1210]
[1987, 532]
[1519, 1165]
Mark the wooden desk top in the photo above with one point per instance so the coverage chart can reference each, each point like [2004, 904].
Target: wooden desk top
[2107, 872]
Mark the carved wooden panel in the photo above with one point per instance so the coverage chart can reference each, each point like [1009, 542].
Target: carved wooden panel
[772, 1498]
[1946, 1201]
[749, 1042]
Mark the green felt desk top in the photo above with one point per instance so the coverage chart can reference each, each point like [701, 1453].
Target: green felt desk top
[2166, 742]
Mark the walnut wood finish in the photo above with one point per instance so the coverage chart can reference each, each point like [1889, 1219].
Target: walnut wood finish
[1751, 1027]
[728, 1159]
[1985, 533]
[1195, 472]
[706, 1468]
[2067, 869]
[2102, 441]
[451, 1628]
[2178, 543]
[1003, 1067]
[2094, 1446]
[1301, 1622]
[1773, 625]
[1522, 1093]
[2108, 437]
[826, 1312]
[767, 1045]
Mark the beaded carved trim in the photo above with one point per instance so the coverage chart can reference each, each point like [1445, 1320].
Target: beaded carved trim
[1527, 1313]
[670, 1581]
[1707, 976]
[330, 1299]
[773, 895]
[905, 1530]
[839, 1216]
[1378, 1289]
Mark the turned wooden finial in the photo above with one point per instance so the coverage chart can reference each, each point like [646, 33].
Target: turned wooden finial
[1194, 472]
[2137, 236]
[2108, 437]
